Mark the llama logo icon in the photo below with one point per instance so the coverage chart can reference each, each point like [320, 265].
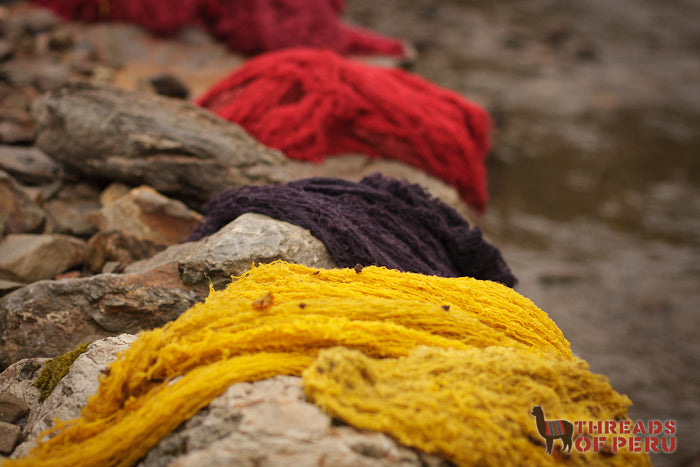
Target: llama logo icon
[553, 429]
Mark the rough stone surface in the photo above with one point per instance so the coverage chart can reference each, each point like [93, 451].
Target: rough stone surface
[147, 214]
[18, 379]
[118, 246]
[35, 257]
[70, 217]
[29, 165]
[269, 423]
[12, 408]
[9, 437]
[9, 286]
[138, 138]
[71, 393]
[49, 318]
[113, 192]
[19, 212]
[248, 239]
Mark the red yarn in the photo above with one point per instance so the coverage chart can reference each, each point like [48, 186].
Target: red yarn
[311, 104]
[247, 26]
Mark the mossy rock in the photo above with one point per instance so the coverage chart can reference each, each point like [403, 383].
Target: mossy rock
[54, 370]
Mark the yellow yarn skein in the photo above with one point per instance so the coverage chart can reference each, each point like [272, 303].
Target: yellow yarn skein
[169, 373]
[471, 406]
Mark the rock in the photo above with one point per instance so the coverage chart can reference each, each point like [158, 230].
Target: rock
[9, 286]
[70, 217]
[9, 437]
[34, 257]
[16, 127]
[147, 214]
[71, 393]
[16, 123]
[169, 85]
[113, 192]
[2, 226]
[118, 246]
[248, 239]
[260, 423]
[18, 381]
[29, 165]
[19, 212]
[138, 138]
[42, 72]
[12, 408]
[49, 318]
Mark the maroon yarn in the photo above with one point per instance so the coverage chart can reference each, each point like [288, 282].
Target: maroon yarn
[247, 26]
[378, 221]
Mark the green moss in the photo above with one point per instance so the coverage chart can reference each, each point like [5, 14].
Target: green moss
[54, 370]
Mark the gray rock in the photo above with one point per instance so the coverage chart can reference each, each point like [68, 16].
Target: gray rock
[35, 257]
[120, 247]
[12, 408]
[171, 145]
[19, 212]
[71, 393]
[41, 72]
[269, 423]
[251, 238]
[29, 165]
[9, 437]
[49, 318]
[70, 217]
[18, 381]
[9, 286]
[146, 214]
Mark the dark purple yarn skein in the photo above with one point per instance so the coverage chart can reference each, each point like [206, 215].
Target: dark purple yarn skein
[379, 221]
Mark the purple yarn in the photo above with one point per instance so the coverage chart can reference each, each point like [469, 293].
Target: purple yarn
[378, 221]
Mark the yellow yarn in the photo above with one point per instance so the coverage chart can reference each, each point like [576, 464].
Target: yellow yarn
[169, 373]
[471, 406]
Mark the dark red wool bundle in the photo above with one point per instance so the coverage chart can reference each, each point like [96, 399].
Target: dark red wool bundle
[312, 103]
[158, 16]
[378, 221]
[254, 26]
[247, 26]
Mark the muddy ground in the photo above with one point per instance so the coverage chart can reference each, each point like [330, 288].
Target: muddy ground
[594, 177]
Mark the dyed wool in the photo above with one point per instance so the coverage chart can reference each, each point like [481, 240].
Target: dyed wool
[158, 16]
[254, 26]
[311, 104]
[471, 406]
[378, 221]
[168, 374]
[248, 26]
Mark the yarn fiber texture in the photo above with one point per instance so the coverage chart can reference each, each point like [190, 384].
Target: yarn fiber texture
[170, 373]
[471, 406]
[379, 221]
[246, 26]
[314, 103]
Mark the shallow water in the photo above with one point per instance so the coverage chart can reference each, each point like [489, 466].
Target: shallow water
[594, 175]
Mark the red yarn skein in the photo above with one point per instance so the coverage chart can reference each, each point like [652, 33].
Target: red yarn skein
[310, 104]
